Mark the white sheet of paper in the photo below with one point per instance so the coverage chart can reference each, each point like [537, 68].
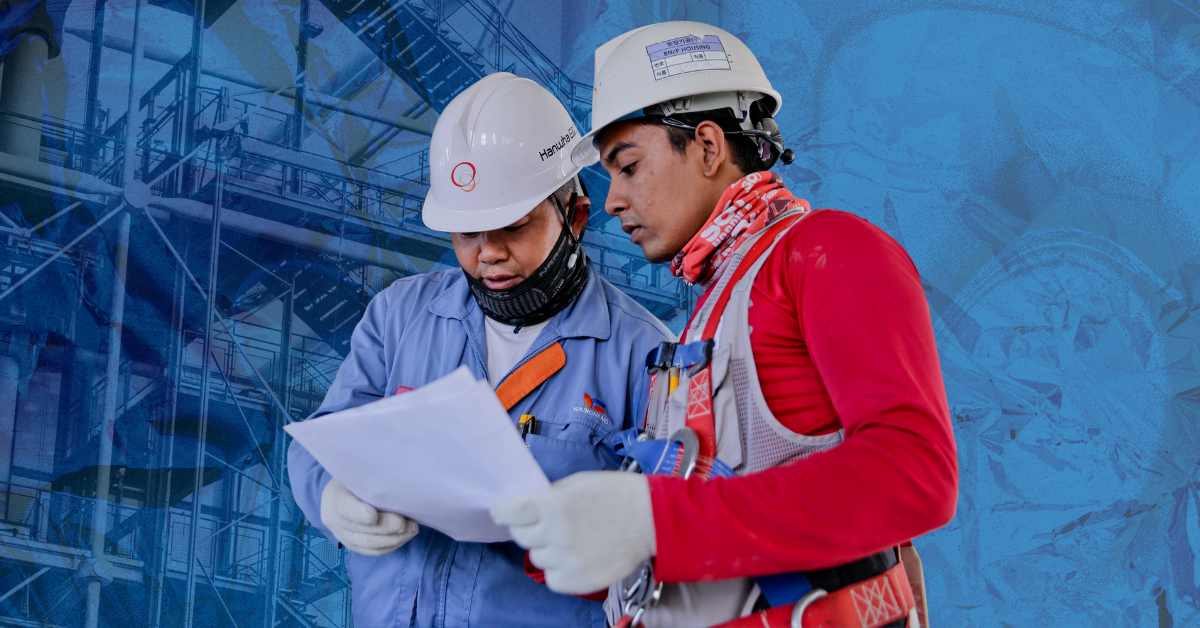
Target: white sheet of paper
[441, 455]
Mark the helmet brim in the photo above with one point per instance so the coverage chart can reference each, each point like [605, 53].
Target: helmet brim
[438, 217]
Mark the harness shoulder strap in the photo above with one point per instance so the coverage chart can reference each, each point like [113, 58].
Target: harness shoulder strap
[531, 374]
[700, 416]
[760, 246]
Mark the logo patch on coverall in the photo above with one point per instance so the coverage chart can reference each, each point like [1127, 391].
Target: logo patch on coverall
[593, 407]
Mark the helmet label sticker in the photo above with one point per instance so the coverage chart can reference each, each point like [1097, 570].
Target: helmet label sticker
[463, 176]
[686, 54]
[558, 146]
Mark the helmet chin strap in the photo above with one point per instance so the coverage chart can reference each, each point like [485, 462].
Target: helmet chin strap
[567, 216]
[549, 289]
[764, 132]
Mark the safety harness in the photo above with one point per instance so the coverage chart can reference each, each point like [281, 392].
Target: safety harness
[691, 449]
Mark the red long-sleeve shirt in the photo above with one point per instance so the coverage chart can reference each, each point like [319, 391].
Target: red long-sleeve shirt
[841, 336]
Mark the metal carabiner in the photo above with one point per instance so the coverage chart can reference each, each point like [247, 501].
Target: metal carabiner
[637, 616]
[630, 465]
[643, 593]
[686, 437]
[629, 594]
[798, 611]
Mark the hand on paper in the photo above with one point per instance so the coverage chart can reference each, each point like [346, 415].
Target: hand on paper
[586, 531]
[359, 526]
[376, 449]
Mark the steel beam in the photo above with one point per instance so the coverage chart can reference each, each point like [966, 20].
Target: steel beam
[288, 234]
[271, 577]
[214, 257]
[25, 582]
[365, 111]
[112, 380]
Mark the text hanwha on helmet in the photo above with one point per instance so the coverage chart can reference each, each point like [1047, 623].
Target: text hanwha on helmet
[463, 176]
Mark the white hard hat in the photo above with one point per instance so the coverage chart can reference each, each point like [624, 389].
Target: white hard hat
[498, 149]
[665, 62]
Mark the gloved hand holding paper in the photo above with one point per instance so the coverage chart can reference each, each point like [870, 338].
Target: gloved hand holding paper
[440, 455]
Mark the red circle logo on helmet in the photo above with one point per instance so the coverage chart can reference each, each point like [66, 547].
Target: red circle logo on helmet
[463, 176]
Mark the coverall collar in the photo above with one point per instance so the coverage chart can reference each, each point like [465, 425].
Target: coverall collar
[587, 317]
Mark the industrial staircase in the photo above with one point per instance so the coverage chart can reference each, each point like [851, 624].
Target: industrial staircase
[410, 42]
[428, 47]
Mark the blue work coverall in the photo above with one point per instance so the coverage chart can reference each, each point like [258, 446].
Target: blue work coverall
[422, 328]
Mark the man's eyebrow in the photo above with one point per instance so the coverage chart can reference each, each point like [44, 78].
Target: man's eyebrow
[616, 150]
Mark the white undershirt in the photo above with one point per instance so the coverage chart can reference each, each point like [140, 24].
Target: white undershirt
[504, 348]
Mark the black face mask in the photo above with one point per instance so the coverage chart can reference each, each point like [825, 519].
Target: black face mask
[551, 288]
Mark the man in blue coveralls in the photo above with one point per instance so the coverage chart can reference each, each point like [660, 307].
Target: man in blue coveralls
[563, 347]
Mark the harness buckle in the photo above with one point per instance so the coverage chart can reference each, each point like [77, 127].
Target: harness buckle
[702, 356]
[661, 357]
[693, 356]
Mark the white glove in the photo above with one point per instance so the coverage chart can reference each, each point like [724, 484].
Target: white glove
[359, 526]
[586, 531]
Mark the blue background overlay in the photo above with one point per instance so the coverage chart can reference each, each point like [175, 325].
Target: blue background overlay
[196, 204]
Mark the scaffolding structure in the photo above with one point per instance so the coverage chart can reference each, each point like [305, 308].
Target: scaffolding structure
[179, 281]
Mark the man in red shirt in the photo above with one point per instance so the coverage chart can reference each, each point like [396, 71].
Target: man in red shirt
[808, 379]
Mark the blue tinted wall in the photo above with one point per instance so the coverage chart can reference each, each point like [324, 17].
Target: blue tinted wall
[197, 202]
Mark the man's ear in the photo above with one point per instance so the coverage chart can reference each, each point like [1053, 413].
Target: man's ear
[583, 207]
[711, 139]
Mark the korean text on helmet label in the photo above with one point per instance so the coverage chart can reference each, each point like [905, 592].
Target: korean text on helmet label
[687, 54]
[566, 138]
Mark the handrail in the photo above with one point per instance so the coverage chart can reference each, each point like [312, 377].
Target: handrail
[171, 74]
[325, 568]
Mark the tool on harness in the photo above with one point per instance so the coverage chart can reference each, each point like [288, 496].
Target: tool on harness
[639, 591]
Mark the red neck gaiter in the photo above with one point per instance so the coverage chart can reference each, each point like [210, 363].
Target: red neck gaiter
[746, 208]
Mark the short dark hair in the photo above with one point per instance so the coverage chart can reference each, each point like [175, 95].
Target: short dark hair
[564, 191]
[745, 154]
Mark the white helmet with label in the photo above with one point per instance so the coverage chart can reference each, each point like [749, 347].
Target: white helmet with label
[498, 149]
[673, 64]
